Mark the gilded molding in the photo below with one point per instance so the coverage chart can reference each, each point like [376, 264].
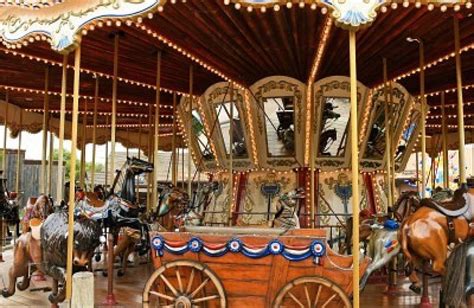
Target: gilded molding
[63, 22]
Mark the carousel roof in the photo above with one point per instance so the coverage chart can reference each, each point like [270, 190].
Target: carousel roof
[237, 42]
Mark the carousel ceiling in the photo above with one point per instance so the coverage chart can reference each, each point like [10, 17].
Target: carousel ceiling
[244, 45]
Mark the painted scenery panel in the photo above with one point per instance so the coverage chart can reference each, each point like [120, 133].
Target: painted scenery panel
[407, 135]
[334, 123]
[200, 136]
[279, 125]
[224, 113]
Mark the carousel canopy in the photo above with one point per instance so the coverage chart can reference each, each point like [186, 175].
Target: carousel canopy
[237, 41]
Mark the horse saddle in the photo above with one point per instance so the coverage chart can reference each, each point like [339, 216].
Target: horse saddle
[453, 208]
[93, 200]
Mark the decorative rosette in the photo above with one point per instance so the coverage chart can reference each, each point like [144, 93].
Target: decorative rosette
[275, 247]
[158, 243]
[195, 244]
[234, 245]
[318, 249]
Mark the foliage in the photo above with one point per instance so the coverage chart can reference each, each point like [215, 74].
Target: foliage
[67, 161]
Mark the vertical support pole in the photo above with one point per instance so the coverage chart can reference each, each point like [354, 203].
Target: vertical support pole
[150, 159]
[417, 173]
[94, 130]
[157, 130]
[43, 178]
[114, 116]
[444, 133]
[182, 168]
[72, 172]
[388, 151]
[62, 120]
[231, 155]
[139, 157]
[106, 155]
[312, 161]
[110, 299]
[50, 163]
[5, 134]
[462, 160]
[173, 143]
[355, 168]
[423, 119]
[17, 177]
[190, 126]
[83, 148]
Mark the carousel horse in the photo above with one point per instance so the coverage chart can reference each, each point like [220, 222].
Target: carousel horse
[48, 252]
[119, 209]
[172, 203]
[9, 207]
[286, 216]
[36, 208]
[429, 232]
[383, 242]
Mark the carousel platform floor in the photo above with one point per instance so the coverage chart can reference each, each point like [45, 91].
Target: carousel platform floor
[128, 291]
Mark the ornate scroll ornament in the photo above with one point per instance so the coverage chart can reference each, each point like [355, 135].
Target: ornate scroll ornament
[353, 14]
[63, 22]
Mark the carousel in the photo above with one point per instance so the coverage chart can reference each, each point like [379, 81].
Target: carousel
[287, 123]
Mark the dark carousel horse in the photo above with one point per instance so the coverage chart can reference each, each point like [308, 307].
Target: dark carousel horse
[285, 130]
[119, 209]
[9, 208]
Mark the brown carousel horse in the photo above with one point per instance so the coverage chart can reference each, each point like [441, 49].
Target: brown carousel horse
[427, 234]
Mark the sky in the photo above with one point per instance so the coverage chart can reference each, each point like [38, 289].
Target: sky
[33, 144]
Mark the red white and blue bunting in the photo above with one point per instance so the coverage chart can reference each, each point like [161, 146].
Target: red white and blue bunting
[316, 249]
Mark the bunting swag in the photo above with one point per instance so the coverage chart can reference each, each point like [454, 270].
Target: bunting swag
[315, 250]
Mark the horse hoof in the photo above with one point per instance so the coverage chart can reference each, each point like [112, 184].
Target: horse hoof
[120, 273]
[415, 288]
[104, 273]
[5, 293]
[97, 258]
[22, 286]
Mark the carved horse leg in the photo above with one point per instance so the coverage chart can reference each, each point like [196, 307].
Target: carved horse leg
[123, 249]
[57, 273]
[19, 267]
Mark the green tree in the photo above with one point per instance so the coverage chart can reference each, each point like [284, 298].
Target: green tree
[67, 161]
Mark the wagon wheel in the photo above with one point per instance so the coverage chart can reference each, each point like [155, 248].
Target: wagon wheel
[184, 284]
[311, 291]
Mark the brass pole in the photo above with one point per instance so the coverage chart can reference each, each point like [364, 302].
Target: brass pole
[417, 173]
[423, 119]
[462, 161]
[127, 148]
[139, 157]
[190, 126]
[114, 107]
[83, 148]
[5, 135]
[94, 130]
[392, 146]
[43, 177]
[62, 120]
[388, 147]
[173, 143]
[150, 159]
[312, 160]
[50, 163]
[106, 155]
[182, 168]
[231, 156]
[72, 172]
[17, 178]
[355, 169]
[157, 131]
[444, 132]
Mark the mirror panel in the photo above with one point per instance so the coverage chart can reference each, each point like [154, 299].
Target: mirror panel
[279, 126]
[407, 135]
[200, 136]
[375, 148]
[223, 112]
[335, 124]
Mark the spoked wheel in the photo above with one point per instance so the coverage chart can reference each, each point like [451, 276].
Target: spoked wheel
[311, 291]
[184, 284]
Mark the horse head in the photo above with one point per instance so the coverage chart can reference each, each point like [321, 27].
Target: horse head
[407, 204]
[138, 166]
